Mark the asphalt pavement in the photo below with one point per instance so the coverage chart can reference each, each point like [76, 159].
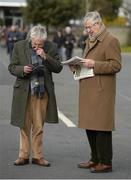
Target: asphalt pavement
[64, 146]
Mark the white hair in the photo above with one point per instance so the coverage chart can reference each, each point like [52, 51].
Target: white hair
[37, 32]
[93, 16]
[68, 29]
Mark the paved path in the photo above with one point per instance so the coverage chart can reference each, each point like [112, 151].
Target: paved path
[65, 146]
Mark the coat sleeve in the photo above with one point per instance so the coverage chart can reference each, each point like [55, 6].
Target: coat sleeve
[14, 67]
[53, 61]
[112, 63]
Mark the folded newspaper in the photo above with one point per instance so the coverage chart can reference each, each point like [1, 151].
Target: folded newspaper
[83, 72]
[73, 61]
[80, 71]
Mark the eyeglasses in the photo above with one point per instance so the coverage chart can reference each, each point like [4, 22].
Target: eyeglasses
[88, 28]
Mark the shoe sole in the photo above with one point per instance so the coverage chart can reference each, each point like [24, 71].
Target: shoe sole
[46, 165]
[21, 164]
[102, 171]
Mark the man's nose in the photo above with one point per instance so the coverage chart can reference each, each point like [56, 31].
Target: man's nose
[89, 30]
[36, 48]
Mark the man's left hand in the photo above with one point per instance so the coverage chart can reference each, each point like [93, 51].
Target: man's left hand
[89, 63]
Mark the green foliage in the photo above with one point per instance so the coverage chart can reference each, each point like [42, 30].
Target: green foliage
[53, 12]
[107, 8]
[1, 22]
[126, 49]
[119, 21]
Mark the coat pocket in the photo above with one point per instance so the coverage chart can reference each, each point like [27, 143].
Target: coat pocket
[100, 87]
[17, 85]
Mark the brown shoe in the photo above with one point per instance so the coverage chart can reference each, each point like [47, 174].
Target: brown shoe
[21, 162]
[40, 162]
[101, 168]
[86, 165]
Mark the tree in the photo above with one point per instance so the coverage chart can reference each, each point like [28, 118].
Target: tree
[1, 22]
[107, 8]
[53, 12]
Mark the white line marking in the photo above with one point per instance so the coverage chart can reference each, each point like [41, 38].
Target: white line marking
[67, 121]
[125, 97]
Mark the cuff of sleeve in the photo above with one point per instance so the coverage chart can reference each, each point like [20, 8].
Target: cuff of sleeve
[96, 67]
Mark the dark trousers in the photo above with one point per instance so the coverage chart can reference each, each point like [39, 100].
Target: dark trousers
[101, 146]
[68, 53]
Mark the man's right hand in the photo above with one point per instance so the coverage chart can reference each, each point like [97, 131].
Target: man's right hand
[27, 69]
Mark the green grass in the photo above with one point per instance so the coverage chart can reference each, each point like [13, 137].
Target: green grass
[126, 49]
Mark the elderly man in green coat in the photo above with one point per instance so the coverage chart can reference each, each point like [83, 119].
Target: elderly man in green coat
[34, 102]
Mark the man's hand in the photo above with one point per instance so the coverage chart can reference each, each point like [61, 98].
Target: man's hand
[27, 69]
[89, 63]
[40, 52]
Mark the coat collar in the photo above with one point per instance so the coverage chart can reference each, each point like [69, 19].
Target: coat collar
[28, 51]
[100, 38]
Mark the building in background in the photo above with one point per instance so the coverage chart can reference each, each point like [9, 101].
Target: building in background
[10, 12]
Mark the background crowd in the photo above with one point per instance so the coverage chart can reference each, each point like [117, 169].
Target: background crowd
[65, 38]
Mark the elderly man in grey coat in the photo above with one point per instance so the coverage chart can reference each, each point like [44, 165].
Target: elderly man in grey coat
[34, 102]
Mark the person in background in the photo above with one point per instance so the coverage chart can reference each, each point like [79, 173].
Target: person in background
[59, 40]
[82, 40]
[2, 36]
[24, 32]
[34, 103]
[69, 40]
[13, 35]
[97, 94]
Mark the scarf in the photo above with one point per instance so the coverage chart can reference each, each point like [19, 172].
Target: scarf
[94, 38]
[37, 76]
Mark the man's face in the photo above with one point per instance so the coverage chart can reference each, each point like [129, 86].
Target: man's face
[37, 43]
[92, 28]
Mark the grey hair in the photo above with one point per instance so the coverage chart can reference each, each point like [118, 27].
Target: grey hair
[37, 32]
[93, 16]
